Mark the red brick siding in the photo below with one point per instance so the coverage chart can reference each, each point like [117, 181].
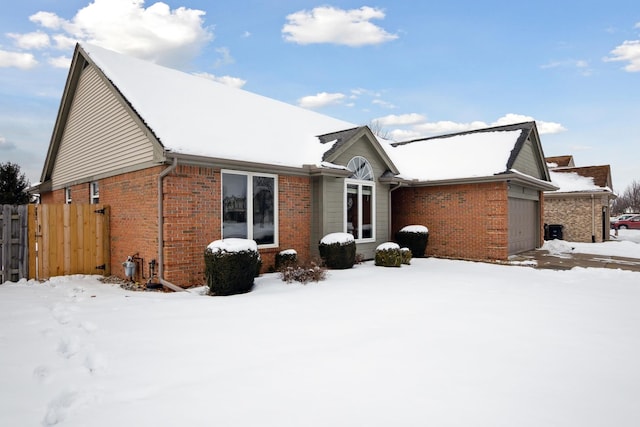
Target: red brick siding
[467, 221]
[193, 212]
[192, 218]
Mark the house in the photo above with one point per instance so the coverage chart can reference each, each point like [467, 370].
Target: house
[183, 160]
[581, 203]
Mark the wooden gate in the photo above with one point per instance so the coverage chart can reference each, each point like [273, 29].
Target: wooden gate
[13, 243]
[68, 239]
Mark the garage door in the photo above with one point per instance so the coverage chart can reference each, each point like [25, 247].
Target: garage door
[523, 225]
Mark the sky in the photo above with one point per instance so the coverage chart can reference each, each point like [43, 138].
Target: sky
[437, 342]
[410, 69]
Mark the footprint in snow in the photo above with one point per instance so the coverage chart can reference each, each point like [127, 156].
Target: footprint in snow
[61, 314]
[42, 373]
[65, 404]
[68, 346]
[89, 327]
[95, 363]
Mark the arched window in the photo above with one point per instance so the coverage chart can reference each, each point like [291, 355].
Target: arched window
[359, 200]
[361, 169]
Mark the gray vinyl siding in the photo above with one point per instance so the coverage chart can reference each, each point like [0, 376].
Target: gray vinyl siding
[100, 135]
[329, 199]
[520, 192]
[527, 161]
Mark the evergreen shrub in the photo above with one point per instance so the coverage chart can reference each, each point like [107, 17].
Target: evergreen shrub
[231, 266]
[338, 250]
[388, 255]
[406, 255]
[414, 237]
[285, 259]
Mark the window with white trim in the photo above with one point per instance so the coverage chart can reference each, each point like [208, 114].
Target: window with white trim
[67, 195]
[359, 200]
[250, 206]
[95, 192]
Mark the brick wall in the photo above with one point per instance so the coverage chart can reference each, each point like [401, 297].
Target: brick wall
[193, 213]
[467, 221]
[580, 216]
[192, 218]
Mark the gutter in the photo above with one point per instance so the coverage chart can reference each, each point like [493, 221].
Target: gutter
[161, 176]
[390, 218]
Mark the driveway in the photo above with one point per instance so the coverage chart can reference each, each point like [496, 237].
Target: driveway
[544, 259]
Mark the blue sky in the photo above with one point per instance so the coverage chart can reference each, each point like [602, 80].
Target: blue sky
[414, 68]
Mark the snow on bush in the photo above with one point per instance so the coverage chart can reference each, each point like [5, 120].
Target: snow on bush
[415, 229]
[233, 245]
[341, 238]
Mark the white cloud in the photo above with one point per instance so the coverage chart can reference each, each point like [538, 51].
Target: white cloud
[24, 61]
[34, 40]
[60, 62]
[6, 145]
[320, 100]
[328, 24]
[629, 51]
[543, 127]
[63, 42]
[47, 19]
[225, 57]
[415, 125]
[401, 119]
[226, 80]
[156, 33]
[383, 104]
[579, 64]
[246, 34]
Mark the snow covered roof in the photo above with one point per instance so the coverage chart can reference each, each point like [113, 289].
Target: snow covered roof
[194, 115]
[479, 153]
[560, 161]
[581, 179]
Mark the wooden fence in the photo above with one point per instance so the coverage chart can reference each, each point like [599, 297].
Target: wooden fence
[68, 239]
[13, 243]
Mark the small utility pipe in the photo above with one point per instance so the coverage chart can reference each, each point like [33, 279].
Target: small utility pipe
[164, 173]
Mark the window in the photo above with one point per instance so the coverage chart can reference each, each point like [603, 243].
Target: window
[359, 200]
[95, 193]
[67, 195]
[254, 217]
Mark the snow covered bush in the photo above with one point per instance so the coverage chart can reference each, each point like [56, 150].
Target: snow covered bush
[304, 274]
[414, 237]
[286, 258]
[231, 266]
[338, 250]
[388, 255]
[406, 255]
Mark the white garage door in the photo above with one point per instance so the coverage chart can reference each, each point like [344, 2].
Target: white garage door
[523, 225]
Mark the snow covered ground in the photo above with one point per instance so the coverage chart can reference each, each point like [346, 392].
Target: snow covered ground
[436, 343]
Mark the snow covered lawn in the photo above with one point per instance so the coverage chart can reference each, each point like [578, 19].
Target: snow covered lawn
[436, 343]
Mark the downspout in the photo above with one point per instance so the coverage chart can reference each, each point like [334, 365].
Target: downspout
[389, 219]
[161, 176]
[593, 220]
